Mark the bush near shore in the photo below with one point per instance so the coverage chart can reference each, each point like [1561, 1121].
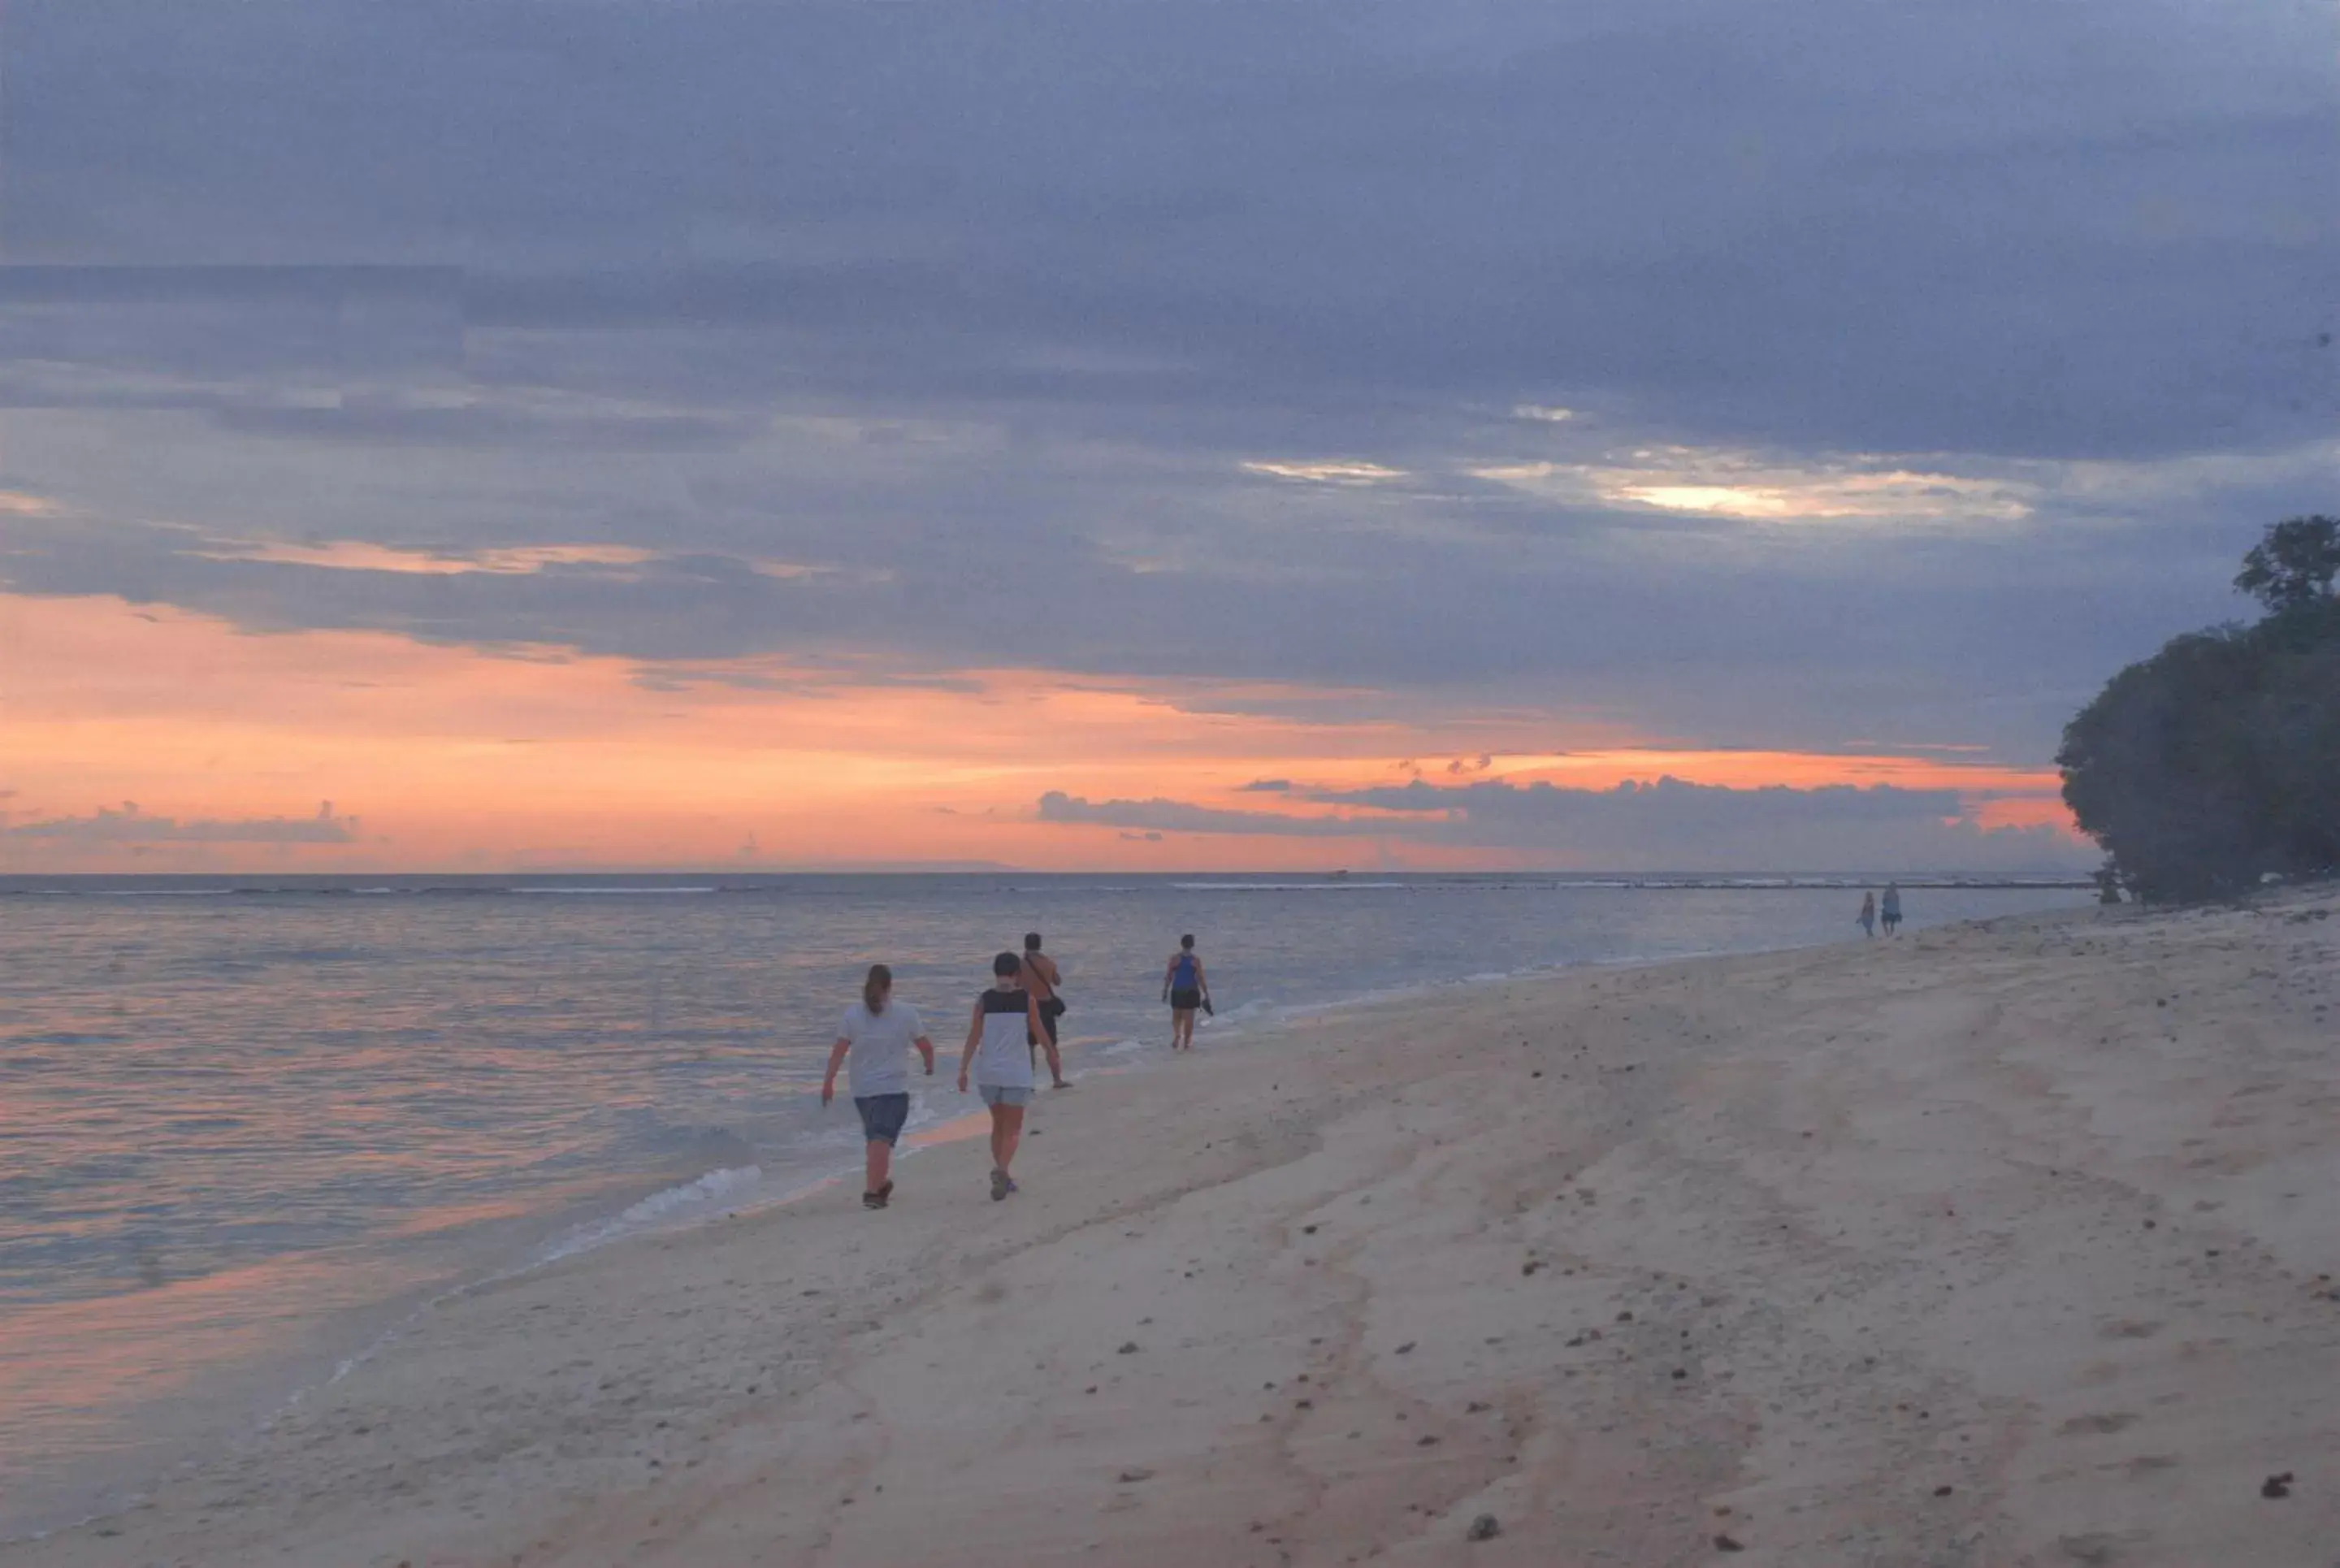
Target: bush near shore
[2215, 763]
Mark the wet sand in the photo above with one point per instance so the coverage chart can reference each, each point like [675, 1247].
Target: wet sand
[2011, 1245]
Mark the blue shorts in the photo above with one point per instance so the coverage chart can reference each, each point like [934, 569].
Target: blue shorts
[1005, 1094]
[882, 1116]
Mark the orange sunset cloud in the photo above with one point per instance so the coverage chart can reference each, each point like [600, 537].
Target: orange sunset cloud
[454, 757]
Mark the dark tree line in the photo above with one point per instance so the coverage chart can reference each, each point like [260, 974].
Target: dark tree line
[2216, 761]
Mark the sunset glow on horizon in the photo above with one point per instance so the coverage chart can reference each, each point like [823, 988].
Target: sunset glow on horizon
[152, 739]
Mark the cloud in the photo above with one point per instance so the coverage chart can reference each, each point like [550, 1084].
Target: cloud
[1264, 787]
[357, 555]
[129, 825]
[1737, 484]
[1179, 816]
[1665, 824]
[1342, 472]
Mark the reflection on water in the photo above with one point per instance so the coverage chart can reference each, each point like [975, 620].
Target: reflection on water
[228, 1118]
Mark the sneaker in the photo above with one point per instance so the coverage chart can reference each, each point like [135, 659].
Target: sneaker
[877, 1199]
[1000, 1186]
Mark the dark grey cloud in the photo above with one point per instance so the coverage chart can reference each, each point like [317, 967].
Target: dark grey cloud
[1182, 817]
[129, 825]
[954, 302]
[2085, 219]
[1266, 787]
[1666, 823]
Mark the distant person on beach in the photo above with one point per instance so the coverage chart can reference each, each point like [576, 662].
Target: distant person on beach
[1185, 988]
[875, 1038]
[1892, 912]
[1868, 916]
[1044, 980]
[1001, 1076]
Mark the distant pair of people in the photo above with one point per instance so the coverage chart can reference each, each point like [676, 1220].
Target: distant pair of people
[1892, 912]
[878, 1033]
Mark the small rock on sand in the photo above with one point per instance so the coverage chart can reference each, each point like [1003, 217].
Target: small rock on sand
[1485, 1527]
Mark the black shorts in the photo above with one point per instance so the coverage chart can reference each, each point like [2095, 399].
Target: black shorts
[882, 1116]
[1050, 1011]
[1186, 999]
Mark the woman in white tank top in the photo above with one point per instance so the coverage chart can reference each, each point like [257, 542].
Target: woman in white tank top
[999, 1061]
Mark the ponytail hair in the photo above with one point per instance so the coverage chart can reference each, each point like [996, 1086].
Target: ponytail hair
[874, 989]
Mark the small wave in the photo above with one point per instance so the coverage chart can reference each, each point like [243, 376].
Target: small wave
[162, 892]
[728, 1185]
[610, 892]
[1286, 887]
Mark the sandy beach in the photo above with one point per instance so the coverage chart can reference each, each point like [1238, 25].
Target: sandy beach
[2004, 1244]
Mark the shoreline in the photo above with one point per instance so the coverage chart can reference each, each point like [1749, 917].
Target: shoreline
[342, 1337]
[345, 1337]
[307, 1486]
[775, 883]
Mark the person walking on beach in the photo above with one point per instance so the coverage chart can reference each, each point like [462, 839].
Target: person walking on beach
[1001, 1076]
[1185, 988]
[1044, 981]
[1892, 911]
[875, 1037]
[1868, 916]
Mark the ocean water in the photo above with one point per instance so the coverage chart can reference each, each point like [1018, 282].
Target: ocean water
[246, 1125]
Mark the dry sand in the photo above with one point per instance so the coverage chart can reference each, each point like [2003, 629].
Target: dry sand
[1999, 1245]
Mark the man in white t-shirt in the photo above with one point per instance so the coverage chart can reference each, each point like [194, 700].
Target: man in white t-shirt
[876, 1034]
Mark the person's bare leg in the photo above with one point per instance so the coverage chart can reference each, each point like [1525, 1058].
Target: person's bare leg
[1056, 1061]
[1007, 1132]
[879, 1162]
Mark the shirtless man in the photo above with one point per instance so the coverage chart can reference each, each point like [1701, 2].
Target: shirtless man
[1043, 979]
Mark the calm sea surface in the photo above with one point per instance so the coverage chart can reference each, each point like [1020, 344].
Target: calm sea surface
[245, 1123]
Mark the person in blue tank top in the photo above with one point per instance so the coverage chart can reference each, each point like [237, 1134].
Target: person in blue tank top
[1185, 987]
[999, 1061]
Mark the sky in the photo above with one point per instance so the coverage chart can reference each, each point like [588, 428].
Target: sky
[1627, 434]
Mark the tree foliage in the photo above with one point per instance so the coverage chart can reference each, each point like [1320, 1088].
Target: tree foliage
[2294, 566]
[2216, 761]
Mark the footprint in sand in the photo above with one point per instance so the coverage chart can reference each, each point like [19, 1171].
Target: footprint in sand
[2082, 1426]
